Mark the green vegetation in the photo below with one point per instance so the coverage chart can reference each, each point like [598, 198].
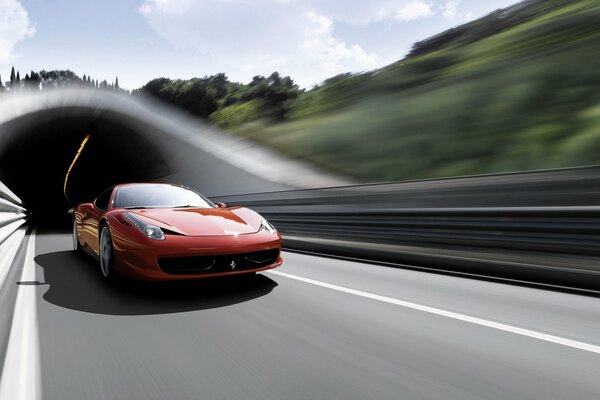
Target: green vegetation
[54, 79]
[222, 100]
[239, 113]
[523, 97]
[518, 89]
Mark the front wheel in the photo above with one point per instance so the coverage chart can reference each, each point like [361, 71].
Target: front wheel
[107, 255]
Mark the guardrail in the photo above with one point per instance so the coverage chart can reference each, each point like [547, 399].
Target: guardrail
[542, 242]
[12, 213]
[568, 230]
[12, 233]
[546, 188]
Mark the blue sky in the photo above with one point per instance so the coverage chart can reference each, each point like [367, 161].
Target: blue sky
[138, 40]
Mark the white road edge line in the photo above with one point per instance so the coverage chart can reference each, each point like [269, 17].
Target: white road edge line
[21, 376]
[449, 314]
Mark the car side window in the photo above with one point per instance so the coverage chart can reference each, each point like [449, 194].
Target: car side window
[103, 199]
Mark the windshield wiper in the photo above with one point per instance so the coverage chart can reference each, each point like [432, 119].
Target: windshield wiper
[186, 206]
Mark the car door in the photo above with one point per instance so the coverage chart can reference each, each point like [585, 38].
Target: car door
[93, 217]
[81, 217]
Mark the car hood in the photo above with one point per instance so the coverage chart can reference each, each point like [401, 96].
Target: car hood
[203, 221]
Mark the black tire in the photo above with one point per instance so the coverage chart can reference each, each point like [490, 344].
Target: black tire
[107, 255]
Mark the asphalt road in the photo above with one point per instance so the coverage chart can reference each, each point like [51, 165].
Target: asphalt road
[316, 328]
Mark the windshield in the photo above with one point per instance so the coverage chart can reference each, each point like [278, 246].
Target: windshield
[158, 196]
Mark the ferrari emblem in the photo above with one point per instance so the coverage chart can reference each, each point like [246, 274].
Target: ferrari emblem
[232, 265]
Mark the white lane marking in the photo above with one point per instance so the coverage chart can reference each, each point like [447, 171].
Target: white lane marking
[21, 377]
[438, 311]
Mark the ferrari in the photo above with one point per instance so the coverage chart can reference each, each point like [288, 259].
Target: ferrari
[156, 231]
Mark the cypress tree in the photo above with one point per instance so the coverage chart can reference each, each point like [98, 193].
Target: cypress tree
[18, 77]
[12, 74]
[117, 83]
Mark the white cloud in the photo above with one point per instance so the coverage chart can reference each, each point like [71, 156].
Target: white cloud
[468, 17]
[451, 12]
[450, 9]
[246, 38]
[361, 12]
[14, 27]
[321, 45]
[414, 10]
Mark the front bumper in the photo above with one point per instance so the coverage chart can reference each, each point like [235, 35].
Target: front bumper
[137, 256]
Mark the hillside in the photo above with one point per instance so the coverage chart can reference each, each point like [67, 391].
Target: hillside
[519, 98]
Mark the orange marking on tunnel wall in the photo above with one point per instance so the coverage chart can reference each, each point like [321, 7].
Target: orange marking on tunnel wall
[81, 146]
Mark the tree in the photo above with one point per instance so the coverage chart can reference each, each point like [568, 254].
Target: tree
[58, 78]
[18, 77]
[12, 75]
[117, 83]
[154, 88]
[274, 79]
[32, 80]
[270, 97]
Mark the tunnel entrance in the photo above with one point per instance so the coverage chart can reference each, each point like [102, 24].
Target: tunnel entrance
[37, 149]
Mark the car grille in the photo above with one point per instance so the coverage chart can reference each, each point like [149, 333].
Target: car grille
[220, 263]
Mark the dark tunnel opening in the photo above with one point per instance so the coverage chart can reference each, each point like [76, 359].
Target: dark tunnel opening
[37, 150]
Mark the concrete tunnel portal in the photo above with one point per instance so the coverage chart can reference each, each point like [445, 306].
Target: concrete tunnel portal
[130, 140]
[37, 150]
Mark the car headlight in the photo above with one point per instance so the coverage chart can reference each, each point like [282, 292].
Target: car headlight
[267, 226]
[151, 231]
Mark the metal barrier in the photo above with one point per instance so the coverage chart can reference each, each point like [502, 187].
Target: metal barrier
[569, 230]
[542, 242]
[12, 213]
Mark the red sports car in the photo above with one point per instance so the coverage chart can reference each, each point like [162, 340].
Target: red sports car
[154, 231]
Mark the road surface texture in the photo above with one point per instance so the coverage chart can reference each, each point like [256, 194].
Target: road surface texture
[317, 328]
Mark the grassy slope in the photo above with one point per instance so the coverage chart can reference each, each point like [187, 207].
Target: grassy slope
[525, 98]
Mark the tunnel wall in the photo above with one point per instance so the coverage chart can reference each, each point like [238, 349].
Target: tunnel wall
[130, 140]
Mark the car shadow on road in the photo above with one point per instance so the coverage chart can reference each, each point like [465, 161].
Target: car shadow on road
[74, 282]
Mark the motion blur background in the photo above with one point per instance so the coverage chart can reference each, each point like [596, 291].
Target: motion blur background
[514, 90]
[456, 142]
[482, 139]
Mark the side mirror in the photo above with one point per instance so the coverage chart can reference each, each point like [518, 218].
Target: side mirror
[221, 205]
[86, 207]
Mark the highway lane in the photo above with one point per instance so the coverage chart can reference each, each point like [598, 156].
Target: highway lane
[274, 337]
